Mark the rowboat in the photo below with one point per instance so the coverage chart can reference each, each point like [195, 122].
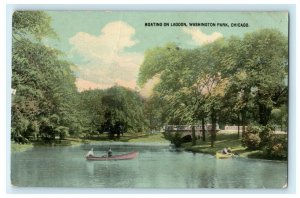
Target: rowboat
[220, 155]
[127, 156]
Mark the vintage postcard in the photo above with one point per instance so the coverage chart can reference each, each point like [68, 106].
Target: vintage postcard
[137, 99]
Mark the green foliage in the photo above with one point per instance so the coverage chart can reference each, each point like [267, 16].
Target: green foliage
[156, 61]
[251, 141]
[239, 80]
[174, 138]
[115, 110]
[277, 147]
[279, 117]
[32, 23]
[155, 112]
[62, 131]
[44, 105]
[274, 146]
[263, 71]
[266, 134]
[251, 137]
[92, 110]
[123, 111]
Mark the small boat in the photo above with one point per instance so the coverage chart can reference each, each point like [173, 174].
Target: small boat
[220, 155]
[127, 156]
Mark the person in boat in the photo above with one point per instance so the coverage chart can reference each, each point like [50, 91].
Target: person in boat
[90, 153]
[226, 151]
[109, 152]
[229, 150]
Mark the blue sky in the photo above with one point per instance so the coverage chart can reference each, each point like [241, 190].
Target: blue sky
[108, 47]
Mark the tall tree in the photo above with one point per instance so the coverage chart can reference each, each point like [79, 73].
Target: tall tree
[247, 73]
[259, 75]
[45, 91]
[123, 111]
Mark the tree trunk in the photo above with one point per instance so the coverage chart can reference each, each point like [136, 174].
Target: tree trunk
[264, 114]
[193, 135]
[238, 123]
[203, 130]
[243, 123]
[213, 130]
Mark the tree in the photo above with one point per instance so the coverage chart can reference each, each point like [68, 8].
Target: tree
[123, 111]
[189, 82]
[92, 111]
[244, 77]
[31, 25]
[45, 98]
[155, 112]
[279, 116]
[263, 71]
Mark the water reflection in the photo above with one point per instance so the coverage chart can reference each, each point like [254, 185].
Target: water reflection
[111, 174]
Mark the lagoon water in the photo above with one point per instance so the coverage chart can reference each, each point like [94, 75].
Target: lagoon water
[156, 167]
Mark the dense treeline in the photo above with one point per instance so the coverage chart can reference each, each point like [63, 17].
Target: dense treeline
[44, 99]
[115, 110]
[45, 102]
[241, 81]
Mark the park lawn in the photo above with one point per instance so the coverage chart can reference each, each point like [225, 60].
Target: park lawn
[224, 139]
[147, 138]
[136, 137]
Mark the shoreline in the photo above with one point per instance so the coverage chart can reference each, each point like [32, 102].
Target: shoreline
[18, 148]
[157, 139]
[22, 148]
[140, 139]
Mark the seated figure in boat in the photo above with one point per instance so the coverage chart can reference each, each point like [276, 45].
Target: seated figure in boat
[226, 150]
[109, 152]
[90, 153]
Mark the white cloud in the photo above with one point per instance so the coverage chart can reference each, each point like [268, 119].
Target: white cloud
[106, 62]
[201, 38]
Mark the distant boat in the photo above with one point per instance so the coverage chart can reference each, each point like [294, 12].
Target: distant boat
[220, 155]
[127, 156]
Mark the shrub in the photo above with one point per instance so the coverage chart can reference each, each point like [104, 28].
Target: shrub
[177, 140]
[266, 135]
[253, 129]
[277, 147]
[62, 132]
[274, 146]
[174, 139]
[251, 139]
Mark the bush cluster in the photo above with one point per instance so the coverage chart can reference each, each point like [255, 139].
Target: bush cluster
[277, 147]
[251, 138]
[174, 138]
[274, 146]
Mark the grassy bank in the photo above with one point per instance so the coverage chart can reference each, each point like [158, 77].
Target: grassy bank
[144, 138]
[129, 137]
[71, 141]
[15, 147]
[20, 147]
[224, 139]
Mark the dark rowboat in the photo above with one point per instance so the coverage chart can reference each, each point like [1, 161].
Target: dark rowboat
[126, 156]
